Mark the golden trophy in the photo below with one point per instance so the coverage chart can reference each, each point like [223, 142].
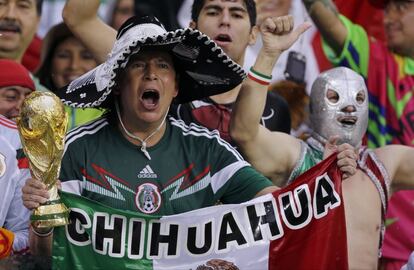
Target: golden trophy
[42, 126]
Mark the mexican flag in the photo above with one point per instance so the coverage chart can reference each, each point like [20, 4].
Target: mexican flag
[301, 226]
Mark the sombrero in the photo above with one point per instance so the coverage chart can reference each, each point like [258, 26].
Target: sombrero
[203, 68]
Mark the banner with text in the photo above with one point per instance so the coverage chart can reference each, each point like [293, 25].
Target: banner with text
[301, 226]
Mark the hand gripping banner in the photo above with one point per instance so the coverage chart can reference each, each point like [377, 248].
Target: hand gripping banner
[301, 226]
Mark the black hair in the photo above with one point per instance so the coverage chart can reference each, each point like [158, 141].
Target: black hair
[250, 6]
[56, 35]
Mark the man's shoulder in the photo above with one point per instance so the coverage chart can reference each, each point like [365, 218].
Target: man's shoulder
[87, 132]
[6, 149]
[8, 130]
[8, 162]
[199, 137]
[192, 130]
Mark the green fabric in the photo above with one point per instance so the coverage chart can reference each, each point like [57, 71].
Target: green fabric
[409, 66]
[39, 87]
[310, 156]
[190, 167]
[70, 256]
[79, 117]
[359, 38]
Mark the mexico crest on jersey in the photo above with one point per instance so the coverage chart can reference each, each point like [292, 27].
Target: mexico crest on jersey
[148, 198]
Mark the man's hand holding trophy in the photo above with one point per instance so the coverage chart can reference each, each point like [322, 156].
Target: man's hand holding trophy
[42, 126]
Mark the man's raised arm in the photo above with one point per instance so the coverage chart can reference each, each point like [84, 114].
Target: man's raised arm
[271, 153]
[81, 16]
[326, 18]
[398, 160]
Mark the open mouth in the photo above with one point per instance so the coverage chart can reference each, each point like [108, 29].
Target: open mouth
[347, 121]
[150, 98]
[223, 38]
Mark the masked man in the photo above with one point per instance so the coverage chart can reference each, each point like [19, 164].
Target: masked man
[338, 106]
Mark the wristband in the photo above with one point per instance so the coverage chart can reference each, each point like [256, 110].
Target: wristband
[45, 234]
[259, 77]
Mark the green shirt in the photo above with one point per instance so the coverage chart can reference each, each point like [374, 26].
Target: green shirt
[190, 168]
[311, 153]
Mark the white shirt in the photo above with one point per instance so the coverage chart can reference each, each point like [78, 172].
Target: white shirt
[8, 130]
[13, 215]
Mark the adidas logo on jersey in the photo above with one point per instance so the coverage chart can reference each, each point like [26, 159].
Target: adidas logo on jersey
[147, 172]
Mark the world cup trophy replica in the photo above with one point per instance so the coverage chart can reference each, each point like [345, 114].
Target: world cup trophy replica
[42, 126]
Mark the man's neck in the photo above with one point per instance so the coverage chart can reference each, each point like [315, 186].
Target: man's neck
[151, 136]
[227, 97]
[11, 56]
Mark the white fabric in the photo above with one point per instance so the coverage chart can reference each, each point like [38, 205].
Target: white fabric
[13, 215]
[8, 129]
[303, 45]
[52, 13]
[410, 263]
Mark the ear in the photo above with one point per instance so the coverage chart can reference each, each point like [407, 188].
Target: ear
[253, 35]
[116, 91]
[192, 24]
[177, 83]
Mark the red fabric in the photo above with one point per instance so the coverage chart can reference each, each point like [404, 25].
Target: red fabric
[392, 264]
[23, 163]
[399, 235]
[322, 243]
[7, 123]
[14, 74]
[214, 117]
[357, 12]
[31, 58]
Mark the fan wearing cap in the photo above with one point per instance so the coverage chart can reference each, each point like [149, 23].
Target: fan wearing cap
[15, 85]
[136, 146]
[338, 107]
[389, 73]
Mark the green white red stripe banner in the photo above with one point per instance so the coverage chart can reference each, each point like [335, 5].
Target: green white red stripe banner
[301, 226]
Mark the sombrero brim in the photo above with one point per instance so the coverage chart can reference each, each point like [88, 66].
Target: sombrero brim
[204, 70]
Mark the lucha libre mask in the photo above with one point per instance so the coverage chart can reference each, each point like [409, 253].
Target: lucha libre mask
[339, 106]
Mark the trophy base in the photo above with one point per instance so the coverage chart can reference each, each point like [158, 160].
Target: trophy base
[51, 214]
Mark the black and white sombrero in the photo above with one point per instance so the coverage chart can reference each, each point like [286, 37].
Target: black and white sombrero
[203, 68]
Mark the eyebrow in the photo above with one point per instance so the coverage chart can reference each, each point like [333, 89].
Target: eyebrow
[11, 88]
[27, 1]
[218, 7]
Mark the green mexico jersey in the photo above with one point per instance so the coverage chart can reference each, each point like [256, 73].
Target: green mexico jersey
[190, 168]
[311, 153]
